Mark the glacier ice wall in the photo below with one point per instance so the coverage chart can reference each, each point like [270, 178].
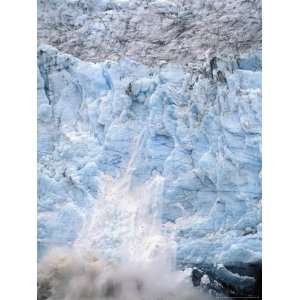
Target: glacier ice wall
[200, 130]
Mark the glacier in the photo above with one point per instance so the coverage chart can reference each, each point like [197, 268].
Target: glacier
[149, 136]
[150, 31]
[194, 132]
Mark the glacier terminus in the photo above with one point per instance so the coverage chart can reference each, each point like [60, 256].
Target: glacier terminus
[138, 147]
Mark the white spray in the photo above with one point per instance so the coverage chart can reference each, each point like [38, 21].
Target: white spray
[138, 254]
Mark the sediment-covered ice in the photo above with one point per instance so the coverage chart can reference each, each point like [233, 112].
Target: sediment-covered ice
[150, 31]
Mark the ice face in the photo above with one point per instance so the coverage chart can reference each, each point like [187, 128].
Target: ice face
[199, 132]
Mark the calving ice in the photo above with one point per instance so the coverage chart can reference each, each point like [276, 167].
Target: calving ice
[136, 256]
[148, 163]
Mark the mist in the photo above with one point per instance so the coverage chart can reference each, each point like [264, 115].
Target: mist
[140, 266]
[65, 274]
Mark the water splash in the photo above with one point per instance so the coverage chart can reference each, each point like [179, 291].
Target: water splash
[69, 275]
[123, 251]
